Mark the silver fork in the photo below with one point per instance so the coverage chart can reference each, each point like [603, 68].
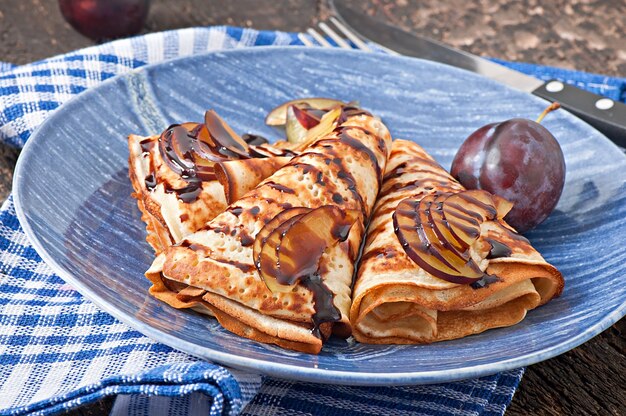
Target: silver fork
[326, 27]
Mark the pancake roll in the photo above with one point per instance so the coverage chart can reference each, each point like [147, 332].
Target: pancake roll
[174, 175]
[439, 262]
[277, 265]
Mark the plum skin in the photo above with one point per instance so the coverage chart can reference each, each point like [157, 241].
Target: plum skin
[105, 19]
[519, 160]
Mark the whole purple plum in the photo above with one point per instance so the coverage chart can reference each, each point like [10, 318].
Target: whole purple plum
[105, 19]
[519, 160]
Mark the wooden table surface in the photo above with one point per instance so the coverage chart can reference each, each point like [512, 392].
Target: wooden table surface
[586, 35]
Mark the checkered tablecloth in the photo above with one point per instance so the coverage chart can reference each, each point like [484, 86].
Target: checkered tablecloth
[58, 351]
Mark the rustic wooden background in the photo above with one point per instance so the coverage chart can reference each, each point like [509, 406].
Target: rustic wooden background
[586, 35]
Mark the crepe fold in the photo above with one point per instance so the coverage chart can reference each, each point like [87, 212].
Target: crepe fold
[398, 302]
[171, 206]
[344, 169]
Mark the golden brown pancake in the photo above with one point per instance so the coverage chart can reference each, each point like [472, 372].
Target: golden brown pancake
[398, 302]
[171, 207]
[342, 169]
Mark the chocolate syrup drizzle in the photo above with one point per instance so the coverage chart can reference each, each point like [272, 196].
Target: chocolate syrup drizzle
[254, 139]
[179, 149]
[190, 153]
[279, 187]
[146, 147]
[309, 273]
[498, 249]
[466, 215]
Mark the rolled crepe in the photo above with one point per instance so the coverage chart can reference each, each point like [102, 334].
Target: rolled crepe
[343, 169]
[398, 302]
[240, 176]
[173, 208]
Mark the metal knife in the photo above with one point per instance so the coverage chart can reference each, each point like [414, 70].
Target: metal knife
[606, 115]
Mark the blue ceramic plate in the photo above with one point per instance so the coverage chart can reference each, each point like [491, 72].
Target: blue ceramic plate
[73, 200]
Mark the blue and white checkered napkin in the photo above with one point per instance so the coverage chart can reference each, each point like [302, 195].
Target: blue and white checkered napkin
[58, 351]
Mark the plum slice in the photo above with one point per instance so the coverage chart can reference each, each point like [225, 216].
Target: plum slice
[176, 147]
[226, 141]
[305, 240]
[268, 228]
[325, 127]
[296, 129]
[268, 264]
[420, 243]
[292, 246]
[308, 117]
[438, 231]
[465, 211]
[265, 243]
[441, 225]
[278, 115]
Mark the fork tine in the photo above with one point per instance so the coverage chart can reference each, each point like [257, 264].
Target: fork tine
[305, 40]
[334, 36]
[350, 35]
[319, 38]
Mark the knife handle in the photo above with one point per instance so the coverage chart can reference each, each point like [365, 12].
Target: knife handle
[606, 115]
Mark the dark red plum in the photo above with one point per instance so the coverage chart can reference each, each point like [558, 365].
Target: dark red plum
[519, 160]
[105, 19]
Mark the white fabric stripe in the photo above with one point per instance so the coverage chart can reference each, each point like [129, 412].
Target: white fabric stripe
[54, 380]
[134, 362]
[248, 37]
[186, 39]
[95, 371]
[16, 260]
[216, 40]
[156, 49]
[124, 51]
[13, 386]
[92, 67]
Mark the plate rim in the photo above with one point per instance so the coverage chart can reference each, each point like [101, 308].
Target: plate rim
[277, 369]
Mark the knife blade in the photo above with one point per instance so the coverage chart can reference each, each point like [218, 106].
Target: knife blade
[606, 115]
